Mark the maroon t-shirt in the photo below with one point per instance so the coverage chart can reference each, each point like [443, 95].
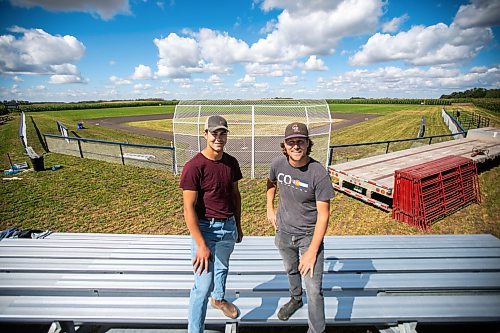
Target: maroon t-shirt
[214, 182]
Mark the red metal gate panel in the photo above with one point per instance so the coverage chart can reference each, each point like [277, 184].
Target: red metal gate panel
[429, 191]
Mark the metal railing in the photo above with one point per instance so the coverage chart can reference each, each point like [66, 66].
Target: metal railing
[149, 156]
[453, 124]
[388, 143]
[469, 120]
[421, 130]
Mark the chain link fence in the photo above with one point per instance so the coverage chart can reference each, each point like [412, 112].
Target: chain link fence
[144, 156]
[256, 129]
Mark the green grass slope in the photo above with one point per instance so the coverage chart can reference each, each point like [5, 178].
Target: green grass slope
[95, 196]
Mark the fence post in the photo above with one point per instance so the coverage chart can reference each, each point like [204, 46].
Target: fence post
[121, 154]
[252, 171]
[330, 157]
[430, 140]
[80, 148]
[387, 148]
[173, 160]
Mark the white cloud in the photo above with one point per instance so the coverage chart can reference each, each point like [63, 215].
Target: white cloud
[142, 86]
[290, 80]
[142, 72]
[118, 80]
[301, 6]
[314, 64]
[38, 52]
[479, 13]
[314, 27]
[395, 82]
[269, 27]
[480, 69]
[262, 86]
[215, 80]
[273, 70]
[62, 79]
[432, 45]
[181, 81]
[304, 28]
[179, 56]
[65, 69]
[105, 9]
[220, 48]
[17, 79]
[394, 24]
[246, 81]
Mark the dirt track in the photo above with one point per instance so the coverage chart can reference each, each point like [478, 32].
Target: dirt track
[347, 119]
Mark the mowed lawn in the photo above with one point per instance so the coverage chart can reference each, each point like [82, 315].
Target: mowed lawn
[94, 196]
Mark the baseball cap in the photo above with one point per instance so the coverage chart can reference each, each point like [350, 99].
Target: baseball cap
[296, 130]
[214, 123]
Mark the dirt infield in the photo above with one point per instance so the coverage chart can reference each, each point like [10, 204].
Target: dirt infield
[341, 120]
[119, 124]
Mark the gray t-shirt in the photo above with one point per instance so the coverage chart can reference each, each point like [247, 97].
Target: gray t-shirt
[298, 190]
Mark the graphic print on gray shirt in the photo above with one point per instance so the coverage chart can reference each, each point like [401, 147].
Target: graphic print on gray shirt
[298, 190]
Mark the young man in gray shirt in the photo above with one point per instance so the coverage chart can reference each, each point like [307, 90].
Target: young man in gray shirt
[301, 220]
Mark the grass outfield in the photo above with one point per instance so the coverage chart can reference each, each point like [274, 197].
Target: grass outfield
[95, 196]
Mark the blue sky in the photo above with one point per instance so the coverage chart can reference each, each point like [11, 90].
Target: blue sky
[60, 50]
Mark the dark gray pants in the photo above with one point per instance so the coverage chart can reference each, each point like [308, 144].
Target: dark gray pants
[291, 247]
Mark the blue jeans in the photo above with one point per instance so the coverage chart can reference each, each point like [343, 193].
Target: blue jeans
[220, 236]
[291, 247]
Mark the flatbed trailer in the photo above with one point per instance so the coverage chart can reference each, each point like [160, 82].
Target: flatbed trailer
[371, 179]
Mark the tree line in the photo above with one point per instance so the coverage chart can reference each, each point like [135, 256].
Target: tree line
[473, 93]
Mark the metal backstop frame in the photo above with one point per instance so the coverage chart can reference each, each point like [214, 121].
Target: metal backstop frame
[256, 129]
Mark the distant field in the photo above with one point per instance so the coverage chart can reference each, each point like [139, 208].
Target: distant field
[76, 115]
[377, 108]
[94, 196]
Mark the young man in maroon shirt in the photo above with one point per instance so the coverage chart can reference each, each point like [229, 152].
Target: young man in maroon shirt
[212, 210]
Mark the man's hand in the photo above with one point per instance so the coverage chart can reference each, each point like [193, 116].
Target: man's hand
[201, 260]
[307, 262]
[271, 212]
[240, 235]
[271, 217]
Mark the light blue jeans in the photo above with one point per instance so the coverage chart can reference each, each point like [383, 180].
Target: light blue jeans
[220, 236]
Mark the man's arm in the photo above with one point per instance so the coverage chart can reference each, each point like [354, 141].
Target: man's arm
[237, 211]
[308, 259]
[270, 194]
[200, 261]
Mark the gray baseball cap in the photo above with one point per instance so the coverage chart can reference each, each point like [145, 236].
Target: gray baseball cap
[214, 123]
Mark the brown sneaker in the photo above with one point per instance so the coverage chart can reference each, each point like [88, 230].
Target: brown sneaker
[226, 307]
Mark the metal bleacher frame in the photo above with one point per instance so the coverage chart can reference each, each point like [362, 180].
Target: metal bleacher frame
[97, 282]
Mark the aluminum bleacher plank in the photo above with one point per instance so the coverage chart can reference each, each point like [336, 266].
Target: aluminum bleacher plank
[167, 284]
[173, 310]
[254, 243]
[134, 279]
[264, 239]
[240, 254]
[263, 266]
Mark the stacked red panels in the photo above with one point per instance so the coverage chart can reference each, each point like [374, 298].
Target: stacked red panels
[429, 191]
